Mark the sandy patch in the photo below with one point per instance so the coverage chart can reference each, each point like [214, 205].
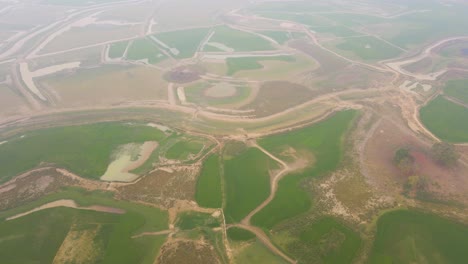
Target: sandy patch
[69, 204]
[221, 90]
[129, 157]
[3, 142]
[181, 95]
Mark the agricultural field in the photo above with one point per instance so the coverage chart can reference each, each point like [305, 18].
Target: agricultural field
[323, 241]
[85, 150]
[367, 48]
[281, 37]
[414, 237]
[67, 234]
[209, 191]
[183, 43]
[247, 182]
[145, 50]
[458, 90]
[239, 40]
[322, 145]
[106, 86]
[117, 50]
[256, 252]
[444, 118]
[217, 94]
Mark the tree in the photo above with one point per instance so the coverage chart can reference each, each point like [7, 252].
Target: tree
[445, 153]
[403, 160]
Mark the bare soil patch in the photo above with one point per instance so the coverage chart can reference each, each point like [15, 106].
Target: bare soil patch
[221, 90]
[162, 187]
[196, 252]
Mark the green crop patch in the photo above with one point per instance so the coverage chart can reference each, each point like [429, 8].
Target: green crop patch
[186, 42]
[145, 49]
[324, 241]
[257, 253]
[240, 234]
[247, 182]
[458, 90]
[85, 150]
[184, 149]
[192, 220]
[447, 120]
[67, 235]
[117, 50]
[414, 237]
[240, 40]
[209, 191]
[324, 142]
[252, 63]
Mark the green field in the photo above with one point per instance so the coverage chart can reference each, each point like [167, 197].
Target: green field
[279, 36]
[369, 48]
[185, 41]
[457, 89]
[240, 234]
[447, 120]
[324, 141]
[85, 150]
[209, 190]
[247, 182]
[252, 63]
[338, 31]
[191, 220]
[415, 237]
[105, 237]
[324, 241]
[240, 40]
[306, 19]
[142, 49]
[117, 50]
[183, 149]
[257, 253]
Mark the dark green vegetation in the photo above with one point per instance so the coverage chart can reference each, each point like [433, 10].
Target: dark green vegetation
[185, 41]
[183, 149]
[240, 234]
[240, 40]
[247, 182]
[117, 50]
[447, 120]
[404, 160]
[324, 142]
[85, 150]
[324, 241]
[191, 220]
[415, 237]
[458, 90]
[445, 153]
[142, 49]
[107, 237]
[209, 193]
[369, 48]
[252, 63]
